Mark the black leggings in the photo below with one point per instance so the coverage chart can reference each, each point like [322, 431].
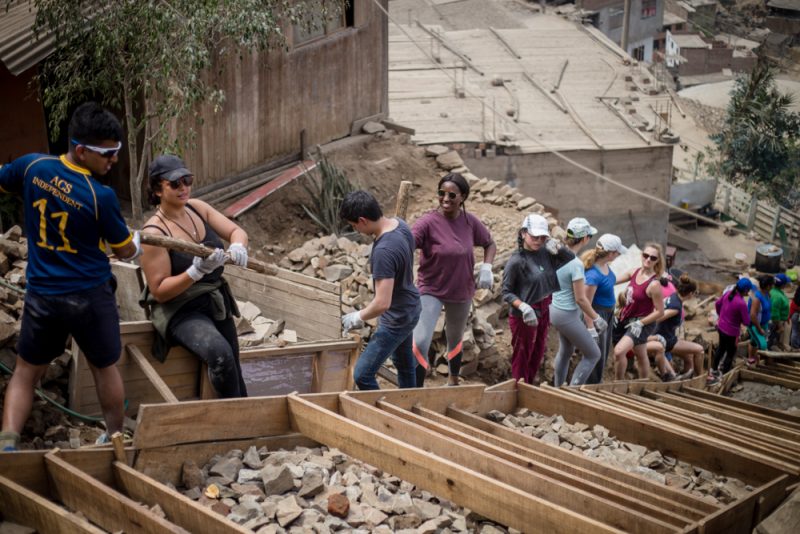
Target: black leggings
[216, 343]
[726, 352]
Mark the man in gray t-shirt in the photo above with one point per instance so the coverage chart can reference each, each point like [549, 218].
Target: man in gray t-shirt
[396, 299]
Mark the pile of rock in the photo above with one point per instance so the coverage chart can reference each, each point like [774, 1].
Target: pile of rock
[597, 443]
[770, 395]
[319, 490]
[255, 330]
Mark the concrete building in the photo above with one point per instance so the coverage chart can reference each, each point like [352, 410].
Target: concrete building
[690, 54]
[554, 85]
[645, 23]
[701, 14]
[784, 17]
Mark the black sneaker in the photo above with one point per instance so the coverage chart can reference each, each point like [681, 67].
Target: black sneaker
[669, 377]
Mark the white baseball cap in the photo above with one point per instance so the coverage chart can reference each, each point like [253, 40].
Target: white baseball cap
[580, 227]
[611, 243]
[536, 225]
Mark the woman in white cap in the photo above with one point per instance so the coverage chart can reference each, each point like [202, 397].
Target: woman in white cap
[190, 302]
[565, 311]
[529, 280]
[599, 285]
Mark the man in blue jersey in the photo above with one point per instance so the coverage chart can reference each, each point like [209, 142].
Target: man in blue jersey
[68, 216]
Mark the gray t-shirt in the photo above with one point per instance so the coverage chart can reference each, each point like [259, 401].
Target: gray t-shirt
[564, 298]
[393, 257]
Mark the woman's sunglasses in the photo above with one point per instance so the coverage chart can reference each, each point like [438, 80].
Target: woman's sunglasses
[450, 194]
[183, 180]
[649, 257]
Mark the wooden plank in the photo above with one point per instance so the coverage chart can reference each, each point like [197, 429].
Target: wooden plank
[637, 428]
[740, 517]
[99, 503]
[755, 376]
[181, 510]
[772, 414]
[689, 504]
[252, 199]
[165, 464]
[152, 375]
[562, 477]
[23, 506]
[233, 271]
[130, 283]
[498, 501]
[718, 413]
[437, 399]
[772, 497]
[161, 425]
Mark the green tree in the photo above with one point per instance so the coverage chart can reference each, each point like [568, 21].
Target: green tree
[759, 142]
[156, 61]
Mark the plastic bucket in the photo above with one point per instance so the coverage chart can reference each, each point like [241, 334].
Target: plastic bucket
[768, 258]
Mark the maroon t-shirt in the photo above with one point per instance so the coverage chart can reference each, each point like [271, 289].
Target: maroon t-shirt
[446, 260]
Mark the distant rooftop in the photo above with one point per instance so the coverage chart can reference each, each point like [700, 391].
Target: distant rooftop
[689, 40]
[423, 97]
[672, 18]
[789, 5]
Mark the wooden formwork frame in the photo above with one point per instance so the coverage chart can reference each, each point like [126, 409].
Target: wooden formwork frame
[436, 438]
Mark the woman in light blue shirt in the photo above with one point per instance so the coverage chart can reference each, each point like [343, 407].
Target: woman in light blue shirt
[565, 311]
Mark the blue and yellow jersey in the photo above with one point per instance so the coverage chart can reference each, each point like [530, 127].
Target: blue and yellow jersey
[68, 215]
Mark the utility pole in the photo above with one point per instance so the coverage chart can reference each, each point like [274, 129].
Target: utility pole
[626, 22]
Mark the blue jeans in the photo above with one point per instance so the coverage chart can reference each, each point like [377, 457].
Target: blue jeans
[386, 342]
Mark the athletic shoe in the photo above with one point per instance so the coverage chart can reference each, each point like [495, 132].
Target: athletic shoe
[103, 439]
[685, 376]
[713, 377]
[9, 441]
[669, 377]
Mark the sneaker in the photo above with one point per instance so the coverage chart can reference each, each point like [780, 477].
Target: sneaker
[751, 362]
[685, 376]
[9, 441]
[669, 377]
[103, 439]
[713, 377]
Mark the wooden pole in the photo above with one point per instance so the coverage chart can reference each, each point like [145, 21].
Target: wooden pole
[401, 208]
[196, 249]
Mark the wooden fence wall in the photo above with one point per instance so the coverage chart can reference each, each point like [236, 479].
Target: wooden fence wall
[764, 218]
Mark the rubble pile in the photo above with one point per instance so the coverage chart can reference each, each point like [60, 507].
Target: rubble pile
[255, 330]
[596, 442]
[319, 490]
[345, 261]
[772, 396]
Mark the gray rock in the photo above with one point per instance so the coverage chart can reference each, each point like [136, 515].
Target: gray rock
[551, 438]
[638, 449]
[334, 273]
[192, 476]
[226, 468]
[449, 160]
[436, 150]
[277, 480]
[373, 127]
[242, 514]
[248, 475]
[312, 484]
[524, 204]
[288, 510]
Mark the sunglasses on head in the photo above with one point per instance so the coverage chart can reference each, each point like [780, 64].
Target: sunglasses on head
[183, 180]
[649, 257]
[103, 152]
[449, 194]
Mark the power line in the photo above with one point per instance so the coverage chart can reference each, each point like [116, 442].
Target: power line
[539, 143]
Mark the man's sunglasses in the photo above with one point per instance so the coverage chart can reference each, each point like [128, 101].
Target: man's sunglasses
[648, 256]
[183, 180]
[450, 194]
[103, 152]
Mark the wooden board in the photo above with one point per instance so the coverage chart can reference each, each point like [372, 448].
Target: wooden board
[108, 509]
[480, 493]
[765, 378]
[130, 283]
[23, 506]
[254, 197]
[181, 510]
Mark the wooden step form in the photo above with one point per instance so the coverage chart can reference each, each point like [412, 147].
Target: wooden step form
[439, 440]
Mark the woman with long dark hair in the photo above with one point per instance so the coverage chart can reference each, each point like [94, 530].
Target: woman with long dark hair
[190, 302]
[446, 237]
[529, 280]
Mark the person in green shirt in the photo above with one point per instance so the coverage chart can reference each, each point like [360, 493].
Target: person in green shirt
[780, 311]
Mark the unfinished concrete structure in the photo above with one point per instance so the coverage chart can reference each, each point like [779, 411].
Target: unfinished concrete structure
[645, 22]
[555, 86]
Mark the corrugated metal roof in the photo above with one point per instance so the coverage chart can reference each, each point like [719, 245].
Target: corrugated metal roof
[20, 49]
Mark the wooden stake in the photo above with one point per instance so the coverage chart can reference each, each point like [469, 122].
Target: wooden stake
[119, 447]
[196, 249]
[401, 208]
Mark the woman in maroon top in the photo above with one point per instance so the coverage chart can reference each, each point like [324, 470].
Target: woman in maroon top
[644, 306]
[446, 238]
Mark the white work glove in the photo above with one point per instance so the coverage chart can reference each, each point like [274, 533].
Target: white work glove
[137, 242]
[352, 321]
[552, 245]
[635, 328]
[238, 254]
[485, 278]
[203, 266]
[600, 324]
[594, 334]
[528, 315]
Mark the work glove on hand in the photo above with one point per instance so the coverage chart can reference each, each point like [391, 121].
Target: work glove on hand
[352, 321]
[594, 334]
[528, 314]
[203, 266]
[485, 278]
[137, 242]
[635, 328]
[238, 254]
[552, 245]
[600, 324]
